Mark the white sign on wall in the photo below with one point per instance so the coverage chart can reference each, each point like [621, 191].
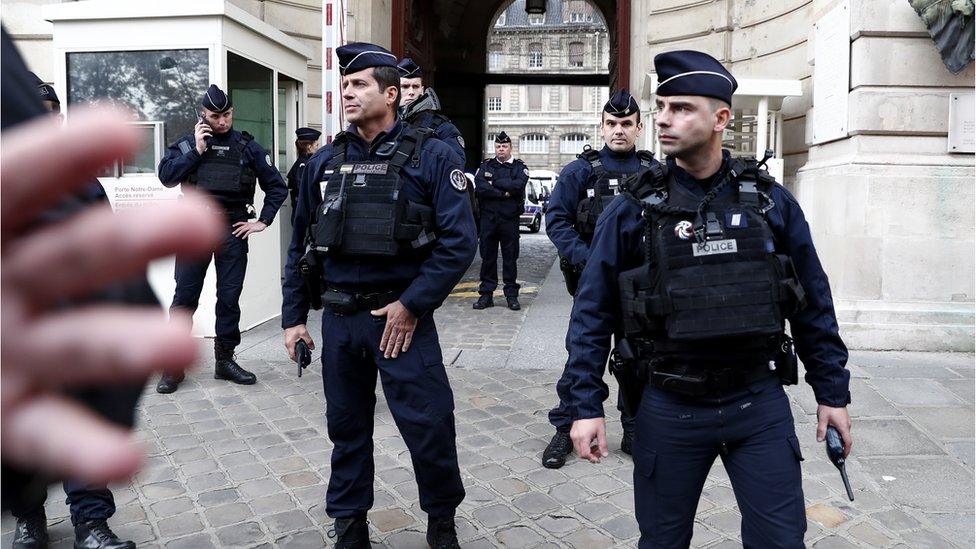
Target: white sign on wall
[962, 123]
[831, 74]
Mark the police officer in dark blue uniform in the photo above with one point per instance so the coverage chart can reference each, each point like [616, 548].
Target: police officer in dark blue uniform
[383, 232]
[586, 186]
[306, 143]
[420, 107]
[225, 163]
[500, 186]
[700, 268]
[90, 506]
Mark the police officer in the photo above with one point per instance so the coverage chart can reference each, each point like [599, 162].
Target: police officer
[500, 186]
[306, 143]
[421, 108]
[586, 186]
[379, 289]
[90, 506]
[701, 267]
[225, 163]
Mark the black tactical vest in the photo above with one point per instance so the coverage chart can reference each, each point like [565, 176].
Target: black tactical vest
[364, 211]
[605, 185]
[222, 168]
[712, 291]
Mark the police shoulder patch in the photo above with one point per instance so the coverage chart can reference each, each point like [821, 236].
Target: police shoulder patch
[458, 181]
[525, 171]
[267, 158]
[460, 141]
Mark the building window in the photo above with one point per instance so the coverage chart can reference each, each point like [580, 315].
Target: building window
[534, 97]
[535, 56]
[534, 143]
[576, 54]
[494, 98]
[575, 98]
[536, 19]
[490, 143]
[495, 57]
[573, 143]
[580, 12]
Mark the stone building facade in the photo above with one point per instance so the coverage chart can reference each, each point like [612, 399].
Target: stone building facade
[548, 124]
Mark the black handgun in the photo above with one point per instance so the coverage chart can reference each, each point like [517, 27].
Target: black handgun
[303, 356]
[835, 451]
[571, 274]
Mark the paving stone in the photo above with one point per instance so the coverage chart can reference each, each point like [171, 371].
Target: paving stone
[163, 490]
[594, 511]
[206, 482]
[218, 497]
[701, 535]
[569, 493]
[186, 523]
[834, 542]
[957, 527]
[601, 484]
[558, 525]
[925, 539]
[388, 520]
[892, 437]
[896, 520]
[262, 487]
[914, 479]
[920, 392]
[534, 503]
[622, 527]
[195, 541]
[300, 479]
[518, 536]
[489, 472]
[231, 513]
[867, 533]
[942, 422]
[240, 534]
[274, 503]
[509, 486]
[826, 515]
[588, 538]
[309, 539]
[494, 516]
[170, 507]
[286, 521]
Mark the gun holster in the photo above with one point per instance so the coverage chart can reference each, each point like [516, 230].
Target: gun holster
[625, 366]
[311, 271]
[571, 274]
[786, 366]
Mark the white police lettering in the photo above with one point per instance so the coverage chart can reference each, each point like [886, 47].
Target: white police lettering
[714, 247]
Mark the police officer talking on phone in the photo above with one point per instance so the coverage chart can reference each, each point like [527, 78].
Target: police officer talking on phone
[383, 233]
[227, 164]
[700, 268]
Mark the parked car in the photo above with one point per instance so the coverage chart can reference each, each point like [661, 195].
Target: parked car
[534, 208]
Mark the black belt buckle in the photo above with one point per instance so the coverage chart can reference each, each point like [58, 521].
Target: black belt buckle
[686, 384]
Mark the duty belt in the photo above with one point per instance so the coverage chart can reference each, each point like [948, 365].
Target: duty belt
[700, 381]
[345, 303]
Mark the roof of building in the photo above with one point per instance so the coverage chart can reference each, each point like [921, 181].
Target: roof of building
[557, 15]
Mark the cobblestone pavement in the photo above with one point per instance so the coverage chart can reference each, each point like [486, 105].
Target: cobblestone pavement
[232, 466]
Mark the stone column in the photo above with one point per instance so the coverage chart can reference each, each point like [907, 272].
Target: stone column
[891, 211]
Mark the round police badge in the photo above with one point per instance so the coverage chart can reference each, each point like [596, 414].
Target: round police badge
[460, 141]
[458, 180]
[526, 170]
[683, 230]
[267, 158]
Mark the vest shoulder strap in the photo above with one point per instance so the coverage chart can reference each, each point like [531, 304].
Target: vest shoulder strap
[592, 156]
[646, 158]
[753, 182]
[409, 147]
[246, 138]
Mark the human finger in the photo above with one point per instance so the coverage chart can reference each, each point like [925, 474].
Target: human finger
[97, 247]
[398, 344]
[407, 339]
[601, 439]
[821, 427]
[34, 179]
[102, 344]
[54, 435]
[387, 332]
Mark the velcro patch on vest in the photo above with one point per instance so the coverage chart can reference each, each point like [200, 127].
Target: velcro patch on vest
[221, 150]
[736, 220]
[375, 168]
[714, 247]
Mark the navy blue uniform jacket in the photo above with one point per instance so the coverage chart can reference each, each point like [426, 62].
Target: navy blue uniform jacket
[510, 177]
[428, 276]
[617, 247]
[573, 183]
[177, 166]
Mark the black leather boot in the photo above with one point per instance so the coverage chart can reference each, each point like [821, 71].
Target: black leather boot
[31, 532]
[352, 533]
[95, 534]
[627, 443]
[513, 303]
[169, 383]
[484, 302]
[441, 533]
[554, 456]
[226, 368]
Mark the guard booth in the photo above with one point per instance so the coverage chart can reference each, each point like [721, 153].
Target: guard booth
[757, 123]
[157, 59]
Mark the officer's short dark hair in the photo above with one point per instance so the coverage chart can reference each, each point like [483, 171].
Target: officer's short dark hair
[716, 104]
[388, 77]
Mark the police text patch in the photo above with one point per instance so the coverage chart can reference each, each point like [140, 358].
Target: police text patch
[458, 181]
[378, 168]
[714, 247]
